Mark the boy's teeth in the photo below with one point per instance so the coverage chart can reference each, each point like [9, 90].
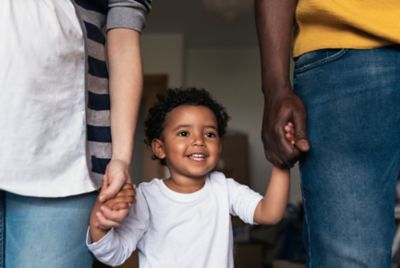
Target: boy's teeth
[197, 155]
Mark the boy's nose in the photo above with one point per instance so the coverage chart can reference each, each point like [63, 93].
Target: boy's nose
[198, 141]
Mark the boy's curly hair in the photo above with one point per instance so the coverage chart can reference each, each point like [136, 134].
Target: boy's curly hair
[154, 124]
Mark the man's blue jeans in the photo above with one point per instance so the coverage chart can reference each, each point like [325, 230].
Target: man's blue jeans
[45, 232]
[352, 98]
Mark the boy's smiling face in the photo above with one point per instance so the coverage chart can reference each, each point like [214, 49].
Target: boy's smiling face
[189, 142]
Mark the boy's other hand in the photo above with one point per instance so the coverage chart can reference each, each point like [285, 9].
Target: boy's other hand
[124, 199]
[107, 218]
[289, 133]
[110, 214]
[280, 107]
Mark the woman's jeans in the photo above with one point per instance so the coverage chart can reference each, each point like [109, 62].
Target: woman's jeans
[45, 232]
[352, 98]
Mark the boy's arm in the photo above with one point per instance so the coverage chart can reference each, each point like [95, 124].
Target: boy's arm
[95, 230]
[119, 243]
[125, 68]
[271, 208]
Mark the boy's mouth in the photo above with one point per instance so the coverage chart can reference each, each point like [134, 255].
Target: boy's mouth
[197, 156]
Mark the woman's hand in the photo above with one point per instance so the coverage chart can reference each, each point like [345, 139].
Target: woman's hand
[110, 214]
[116, 175]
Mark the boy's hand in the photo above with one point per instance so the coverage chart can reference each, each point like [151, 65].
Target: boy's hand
[289, 133]
[124, 199]
[282, 106]
[111, 213]
[107, 218]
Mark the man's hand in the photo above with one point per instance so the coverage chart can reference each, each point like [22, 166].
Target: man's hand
[281, 107]
[275, 20]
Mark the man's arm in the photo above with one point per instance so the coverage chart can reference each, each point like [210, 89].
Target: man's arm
[274, 19]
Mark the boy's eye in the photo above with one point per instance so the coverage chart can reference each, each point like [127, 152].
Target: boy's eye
[183, 133]
[211, 135]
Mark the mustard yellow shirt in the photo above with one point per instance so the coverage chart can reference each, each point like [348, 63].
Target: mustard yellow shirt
[358, 24]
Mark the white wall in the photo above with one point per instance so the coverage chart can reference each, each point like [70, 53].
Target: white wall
[163, 54]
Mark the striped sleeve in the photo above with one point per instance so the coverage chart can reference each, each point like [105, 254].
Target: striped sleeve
[127, 14]
[94, 14]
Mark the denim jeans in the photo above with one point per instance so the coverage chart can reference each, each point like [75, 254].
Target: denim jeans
[352, 98]
[45, 232]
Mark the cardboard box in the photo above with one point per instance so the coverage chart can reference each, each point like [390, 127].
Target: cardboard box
[248, 255]
[234, 160]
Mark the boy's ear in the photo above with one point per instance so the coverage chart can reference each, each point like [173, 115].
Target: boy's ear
[157, 146]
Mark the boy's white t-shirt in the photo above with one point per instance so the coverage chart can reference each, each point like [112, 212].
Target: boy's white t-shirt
[175, 230]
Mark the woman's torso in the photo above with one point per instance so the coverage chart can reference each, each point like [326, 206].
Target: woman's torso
[42, 114]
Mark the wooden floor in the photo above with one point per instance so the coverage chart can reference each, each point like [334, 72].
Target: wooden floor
[285, 264]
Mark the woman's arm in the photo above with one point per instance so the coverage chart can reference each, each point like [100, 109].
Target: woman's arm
[125, 70]
[271, 208]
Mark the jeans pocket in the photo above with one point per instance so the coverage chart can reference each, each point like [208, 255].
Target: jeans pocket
[317, 58]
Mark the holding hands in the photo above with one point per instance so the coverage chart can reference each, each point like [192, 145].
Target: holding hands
[109, 213]
[281, 108]
[117, 173]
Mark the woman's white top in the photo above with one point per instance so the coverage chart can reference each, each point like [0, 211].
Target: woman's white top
[42, 99]
[178, 230]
